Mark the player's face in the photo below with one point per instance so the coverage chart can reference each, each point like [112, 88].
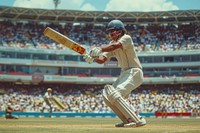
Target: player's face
[114, 34]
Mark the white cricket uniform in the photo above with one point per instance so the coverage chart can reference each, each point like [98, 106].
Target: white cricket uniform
[47, 104]
[46, 97]
[131, 75]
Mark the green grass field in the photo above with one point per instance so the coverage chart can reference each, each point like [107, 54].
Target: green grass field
[97, 125]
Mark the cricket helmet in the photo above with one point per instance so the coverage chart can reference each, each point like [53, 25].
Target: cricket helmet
[115, 24]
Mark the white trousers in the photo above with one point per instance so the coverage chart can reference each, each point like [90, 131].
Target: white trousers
[128, 80]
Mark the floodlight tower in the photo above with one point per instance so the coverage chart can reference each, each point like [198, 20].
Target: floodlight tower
[56, 3]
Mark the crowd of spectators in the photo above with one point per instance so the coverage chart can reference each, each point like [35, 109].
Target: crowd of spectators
[146, 38]
[85, 98]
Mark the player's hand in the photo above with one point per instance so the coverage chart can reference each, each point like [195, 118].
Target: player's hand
[96, 51]
[88, 58]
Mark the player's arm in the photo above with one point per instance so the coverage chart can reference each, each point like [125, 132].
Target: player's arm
[110, 47]
[100, 59]
[95, 52]
[107, 48]
[49, 100]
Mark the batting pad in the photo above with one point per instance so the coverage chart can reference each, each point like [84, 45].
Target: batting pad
[114, 109]
[116, 100]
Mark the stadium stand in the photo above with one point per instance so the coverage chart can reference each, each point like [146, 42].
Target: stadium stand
[168, 48]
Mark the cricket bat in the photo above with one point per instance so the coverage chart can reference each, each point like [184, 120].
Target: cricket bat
[62, 39]
[58, 103]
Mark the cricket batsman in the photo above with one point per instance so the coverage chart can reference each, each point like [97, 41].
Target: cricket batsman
[47, 101]
[9, 111]
[122, 48]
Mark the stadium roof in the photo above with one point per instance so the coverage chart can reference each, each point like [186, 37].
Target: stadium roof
[71, 16]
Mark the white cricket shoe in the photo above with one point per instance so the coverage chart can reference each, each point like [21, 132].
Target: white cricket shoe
[131, 124]
[142, 122]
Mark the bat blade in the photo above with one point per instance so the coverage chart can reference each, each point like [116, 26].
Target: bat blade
[58, 103]
[60, 38]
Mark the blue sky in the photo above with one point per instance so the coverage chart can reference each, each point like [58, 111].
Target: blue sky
[108, 5]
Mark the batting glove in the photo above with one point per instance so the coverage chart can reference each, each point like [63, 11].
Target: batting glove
[96, 51]
[88, 58]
